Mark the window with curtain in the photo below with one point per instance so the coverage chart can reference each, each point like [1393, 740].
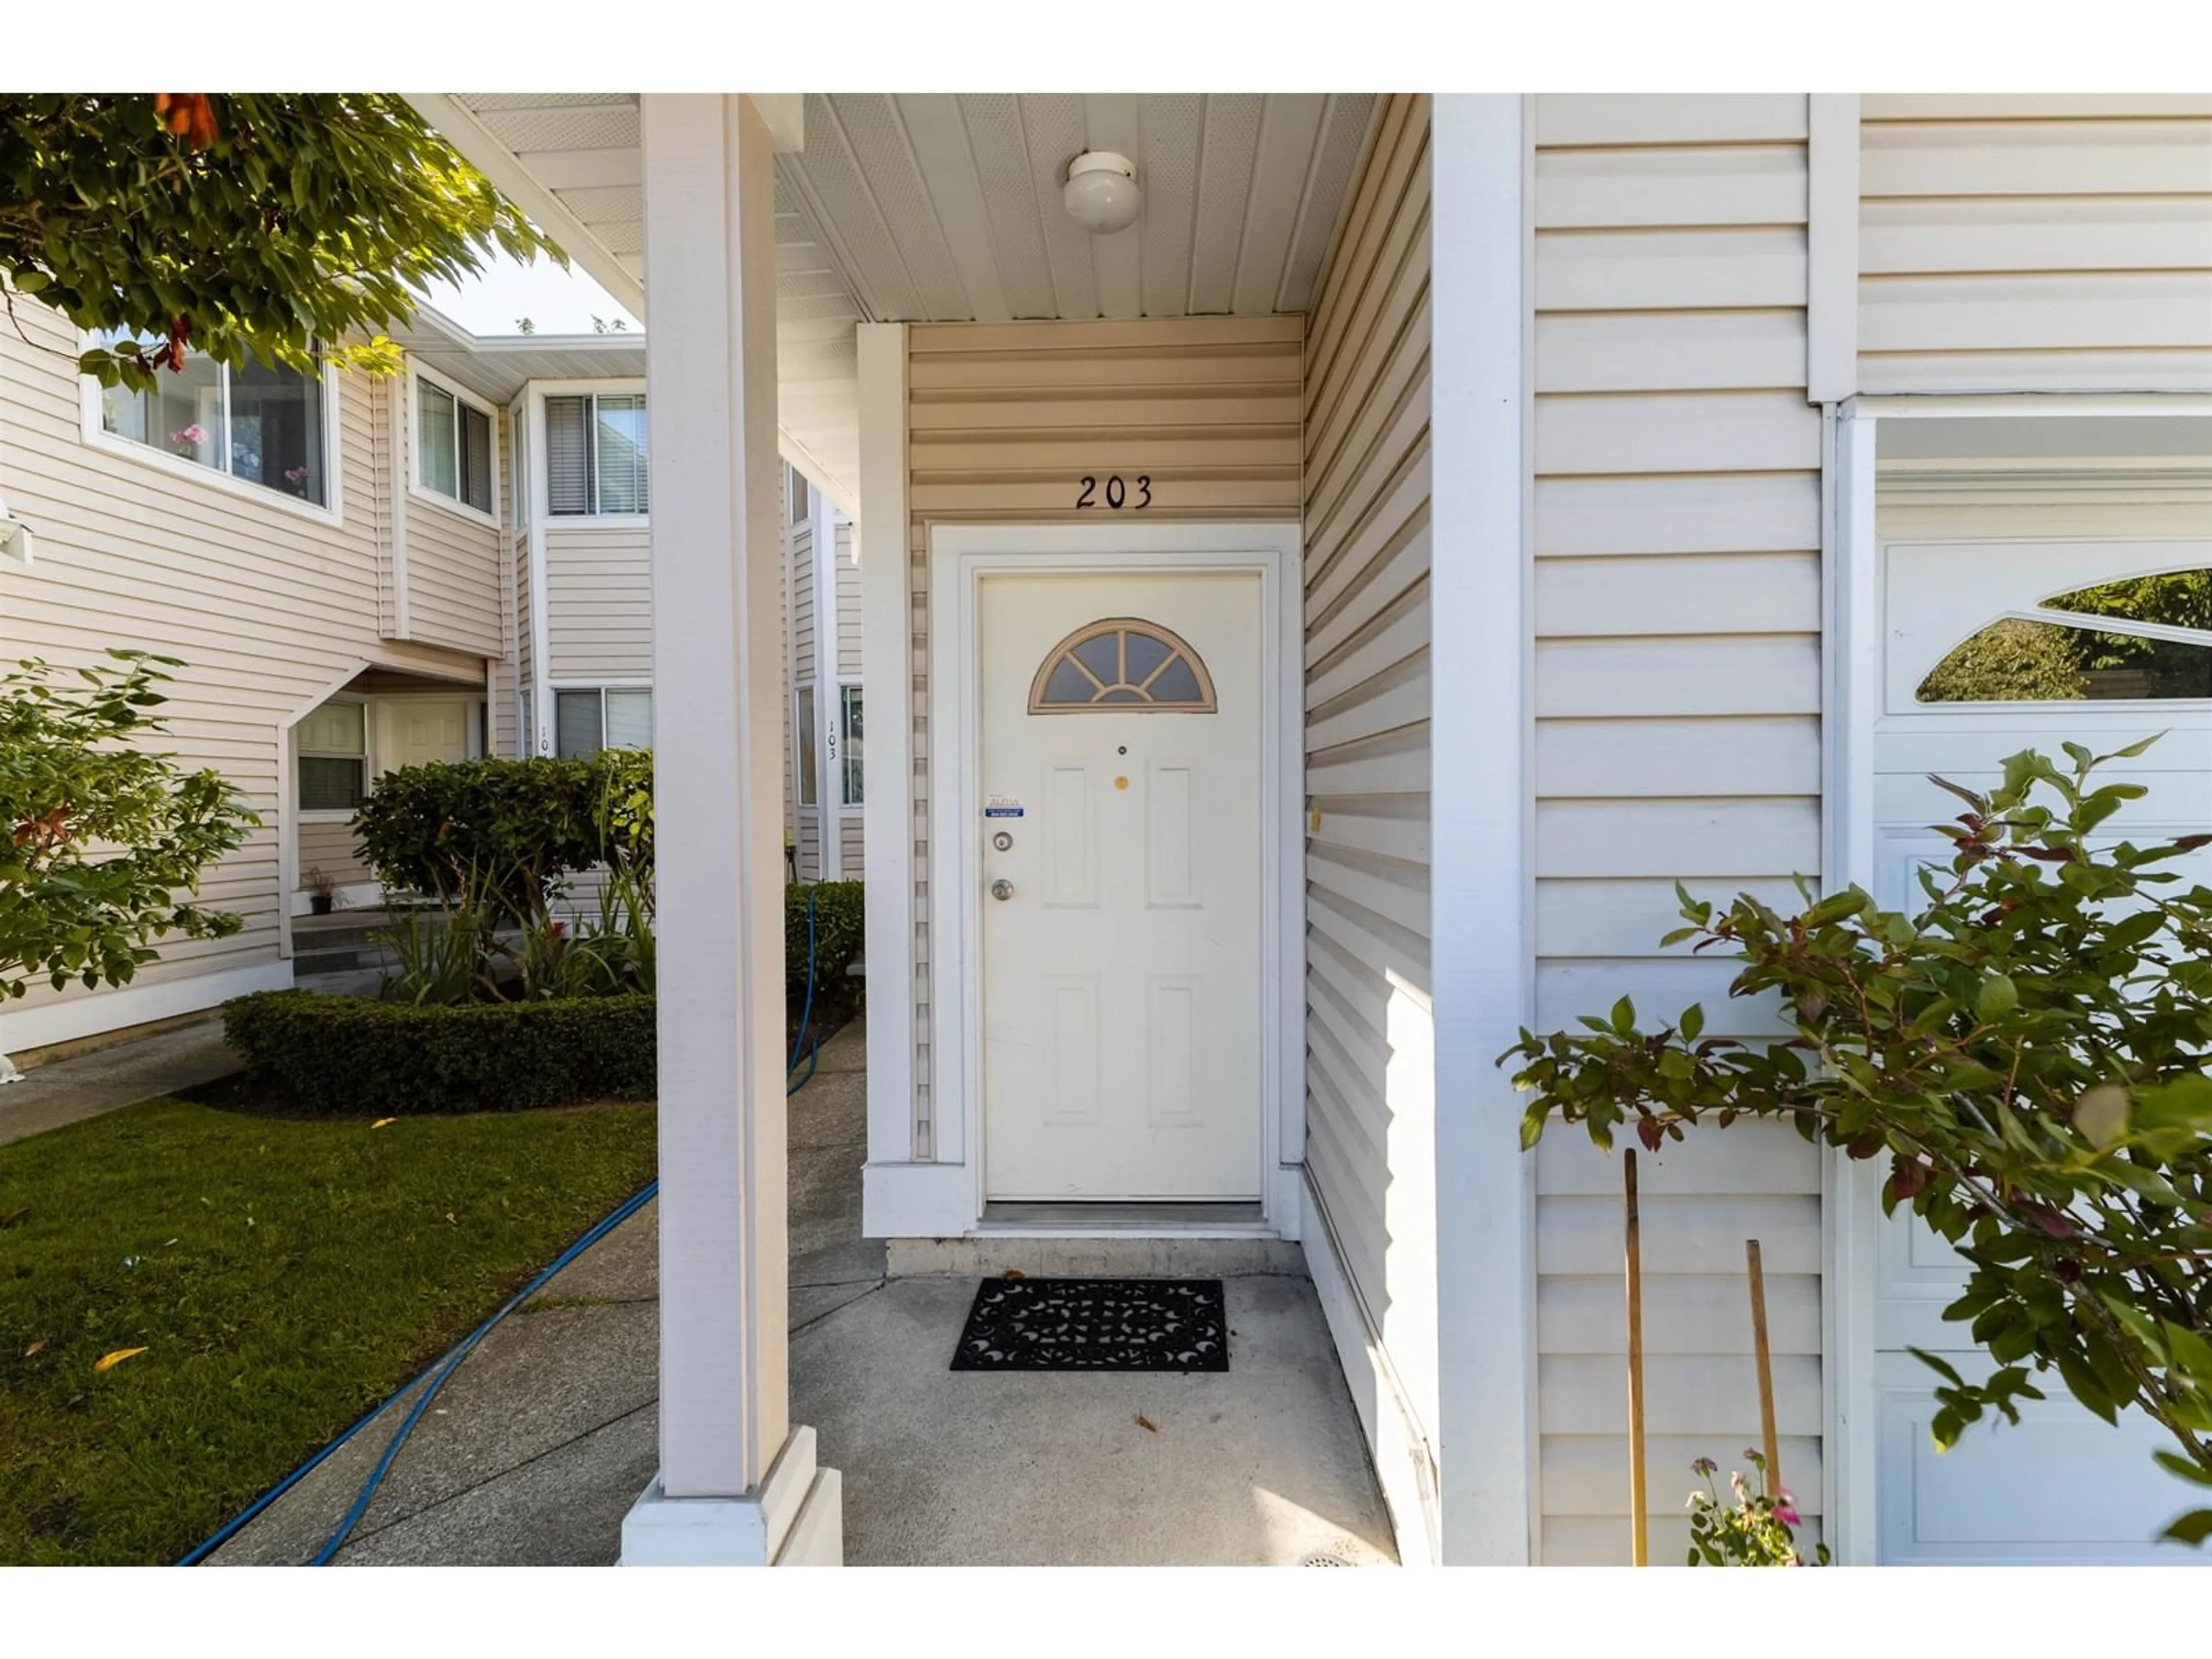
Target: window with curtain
[848, 751]
[596, 454]
[332, 748]
[584, 722]
[269, 425]
[453, 447]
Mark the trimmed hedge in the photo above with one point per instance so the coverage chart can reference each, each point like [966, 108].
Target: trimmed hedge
[358, 1054]
[840, 926]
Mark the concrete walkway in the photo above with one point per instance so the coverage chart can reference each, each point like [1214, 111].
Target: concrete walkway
[547, 1433]
[85, 1084]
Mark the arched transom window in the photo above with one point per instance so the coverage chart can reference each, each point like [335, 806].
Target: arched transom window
[2142, 637]
[1123, 665]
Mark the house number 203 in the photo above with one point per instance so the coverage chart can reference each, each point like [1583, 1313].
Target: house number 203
[1117, 495]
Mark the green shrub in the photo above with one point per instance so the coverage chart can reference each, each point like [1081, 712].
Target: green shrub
[506, 831]
[359, 1054]
[840, 922]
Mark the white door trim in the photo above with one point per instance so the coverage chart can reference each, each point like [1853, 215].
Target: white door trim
[959, 555]
[1854, 684]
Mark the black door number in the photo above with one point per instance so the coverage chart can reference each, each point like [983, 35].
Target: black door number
[1117, 493]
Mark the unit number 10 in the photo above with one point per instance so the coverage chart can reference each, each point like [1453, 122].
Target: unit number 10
[1116, 493]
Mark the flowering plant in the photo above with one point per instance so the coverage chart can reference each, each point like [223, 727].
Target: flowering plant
[1759, 1531]
[297, 478]
[189, 437]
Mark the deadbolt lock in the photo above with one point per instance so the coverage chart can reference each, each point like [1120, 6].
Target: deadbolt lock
[1003, 841]
[1002, 889]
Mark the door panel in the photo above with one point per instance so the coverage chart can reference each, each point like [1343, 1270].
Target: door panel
[1121, 974]
[2060, 1486]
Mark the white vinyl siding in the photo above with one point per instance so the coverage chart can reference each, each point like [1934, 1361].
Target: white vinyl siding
[269, 607]
[599, 601]
[1370, 1096]
[1677, 700]
[2035, 244]
[807, 703]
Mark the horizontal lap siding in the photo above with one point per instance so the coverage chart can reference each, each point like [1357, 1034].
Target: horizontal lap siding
[452, 581]
[848, 565]
[1677, 698]
[798, 542]
[2027, 243]
[1005, 419]
[1370, 1105]
[598, 604]
[334, 849]
[269, 609]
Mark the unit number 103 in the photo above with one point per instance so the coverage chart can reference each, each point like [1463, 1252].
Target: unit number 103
[1117, 495]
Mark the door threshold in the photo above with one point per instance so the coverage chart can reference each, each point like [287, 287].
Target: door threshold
[1155, 1217]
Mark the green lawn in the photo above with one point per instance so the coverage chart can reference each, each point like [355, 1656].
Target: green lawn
[282, 1273]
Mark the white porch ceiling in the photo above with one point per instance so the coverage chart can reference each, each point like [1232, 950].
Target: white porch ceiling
[945, 207]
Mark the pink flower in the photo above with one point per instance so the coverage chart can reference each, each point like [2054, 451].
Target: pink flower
[194, 434]
[1788, 1517]
[558, 929]
[296, 474]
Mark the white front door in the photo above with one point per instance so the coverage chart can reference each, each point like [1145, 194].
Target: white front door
[1120, 776]
[416, 732]
[1977, 668]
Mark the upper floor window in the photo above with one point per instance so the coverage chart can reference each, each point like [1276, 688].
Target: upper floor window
[269, 425]
[595, 454]
[452, 446]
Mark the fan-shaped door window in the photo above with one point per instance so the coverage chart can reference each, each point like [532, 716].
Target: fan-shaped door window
[2141, 637]
[1122, 665]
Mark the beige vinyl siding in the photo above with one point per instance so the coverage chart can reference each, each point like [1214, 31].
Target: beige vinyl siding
[598, 603]
[452, 580]
[1677, 695]
[852, 836]
[799, 539]
[526, 647]
[332, 848]
[1370, 1104]
[1005, 417]
[2035, 244]
[848, 566]
[271, 608]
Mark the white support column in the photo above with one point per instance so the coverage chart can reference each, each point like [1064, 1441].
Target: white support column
[1479, 807]
[737, 1483]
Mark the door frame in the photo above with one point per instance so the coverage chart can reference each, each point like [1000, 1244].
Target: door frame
[960, 556]
[1862, 515]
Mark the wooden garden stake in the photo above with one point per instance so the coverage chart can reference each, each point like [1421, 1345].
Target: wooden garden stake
[1765, 1365]
[1639, 1540]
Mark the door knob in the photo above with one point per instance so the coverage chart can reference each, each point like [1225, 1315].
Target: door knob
[1002, 889]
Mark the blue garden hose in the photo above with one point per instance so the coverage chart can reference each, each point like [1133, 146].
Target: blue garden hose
[442, 1370]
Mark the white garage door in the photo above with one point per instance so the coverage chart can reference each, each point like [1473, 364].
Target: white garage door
[1991, 648]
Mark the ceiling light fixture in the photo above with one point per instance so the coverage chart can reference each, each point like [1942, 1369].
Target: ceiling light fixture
[1101, 194]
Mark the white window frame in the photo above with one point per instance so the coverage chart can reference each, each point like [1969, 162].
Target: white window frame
[800, 742]
[846, 807]
[554, 689]
[93, 429]
[460, 394]
[367, 758]
[541, 492]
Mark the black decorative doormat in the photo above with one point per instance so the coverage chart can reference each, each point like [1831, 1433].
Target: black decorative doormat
[1095, 1325]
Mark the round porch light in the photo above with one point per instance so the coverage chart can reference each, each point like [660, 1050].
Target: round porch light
[1101, 194]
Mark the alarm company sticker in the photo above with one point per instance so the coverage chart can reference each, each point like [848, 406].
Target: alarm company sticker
[1001, 806]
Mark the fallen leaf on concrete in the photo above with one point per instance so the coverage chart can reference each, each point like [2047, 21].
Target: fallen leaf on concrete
[381, 1121]
[1013, 1272]
[1146, 1424]
[32, 1349]
[109, 1361]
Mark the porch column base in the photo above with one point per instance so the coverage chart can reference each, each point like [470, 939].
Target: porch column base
[795, 1519]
